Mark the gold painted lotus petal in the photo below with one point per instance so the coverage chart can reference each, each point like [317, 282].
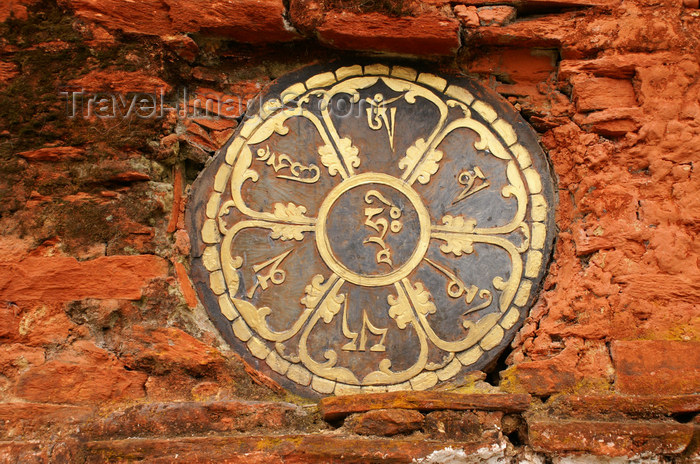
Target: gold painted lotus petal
[372, 228]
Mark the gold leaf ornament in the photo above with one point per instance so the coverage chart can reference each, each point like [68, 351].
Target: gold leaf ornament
[366, 225]
[330, 160]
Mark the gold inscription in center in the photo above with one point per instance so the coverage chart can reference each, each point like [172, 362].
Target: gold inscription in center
[383, 217]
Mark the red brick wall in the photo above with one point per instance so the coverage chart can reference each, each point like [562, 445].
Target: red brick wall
[96, 310]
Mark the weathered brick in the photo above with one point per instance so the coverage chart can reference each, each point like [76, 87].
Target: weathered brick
[120, 81]
[597, 93]
[299, 449]
[189, 418]
[66, 279]
[656, 285]
[543, 377]
[656, 367]
[616, 66]
[548, 31]
[25, 452]
[148, 16]
[333, 408]
[610, 438]
[33, 420]
[168, 349]
[519, 65]
[84, 374]
[35, 324]
[634, 405]
[578, 361]
[185, 285]
[254, 21]
[16, 9]
[16, 357]
[53, 154]
[467, 15]
[385, 422]
[468, 426]
[613, 122]
[692, 452]
[423, 35]
[251, 21]
[496, 15]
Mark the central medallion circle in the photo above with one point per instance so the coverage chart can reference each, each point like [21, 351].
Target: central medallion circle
[372, 229]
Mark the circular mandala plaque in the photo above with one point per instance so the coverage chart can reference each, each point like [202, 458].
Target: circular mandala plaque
[372, 228]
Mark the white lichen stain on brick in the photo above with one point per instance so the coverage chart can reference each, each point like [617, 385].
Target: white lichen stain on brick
[590, 459]
[493, 454]
[527, 456]
[444, 456]
[288, 26]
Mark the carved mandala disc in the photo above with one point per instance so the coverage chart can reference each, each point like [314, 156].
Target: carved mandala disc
[372, 228]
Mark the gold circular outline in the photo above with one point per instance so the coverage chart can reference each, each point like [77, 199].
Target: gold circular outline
[518, 153]
[323, 243]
